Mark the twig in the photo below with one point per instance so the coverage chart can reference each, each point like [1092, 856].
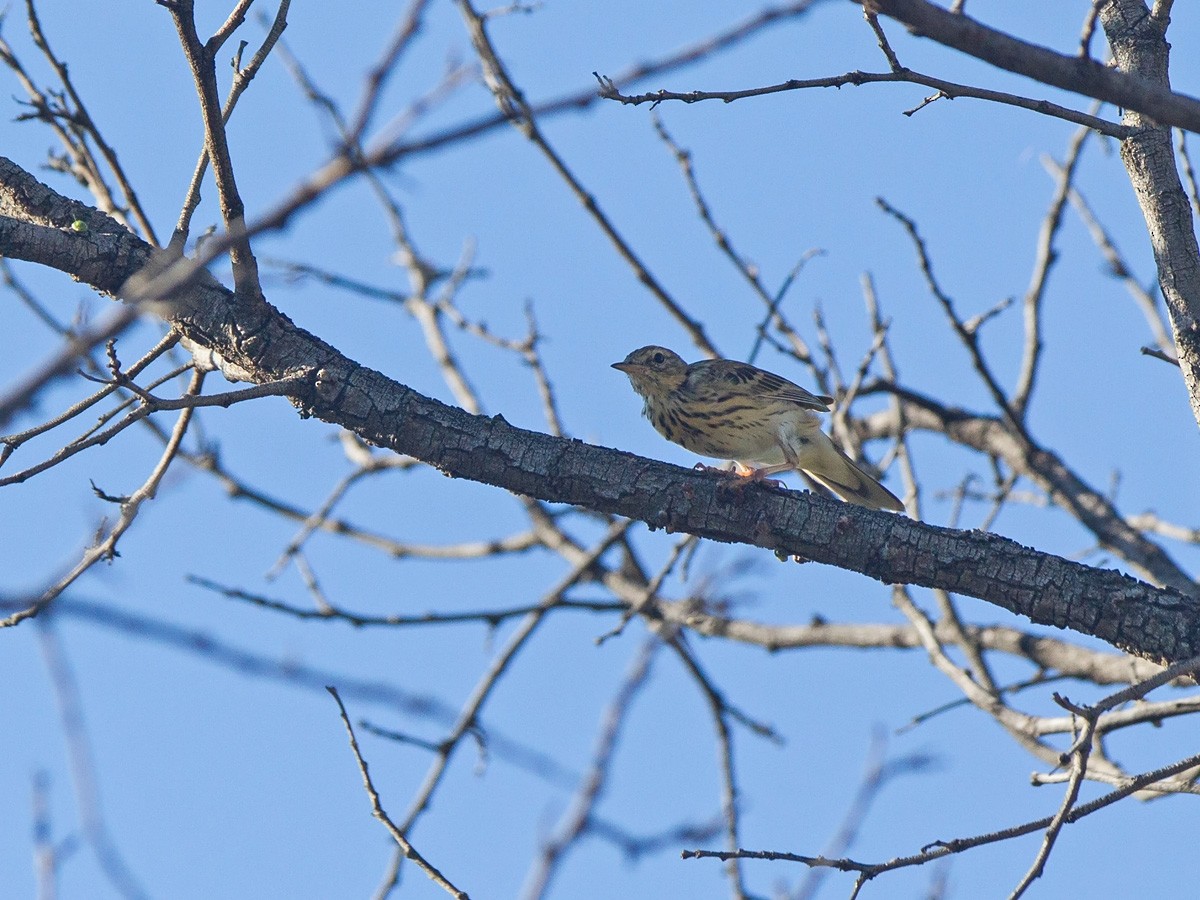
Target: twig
[241, 81]
[379, 73]
[650, 592]
[1089, 29]
[533, 358]
[12, 441]
[130, 507]
[410, 852]
[83, 766]
[65, 362]
[1120, 269]
[577, 820]
[967, 335]
[233, 211]
[1019, 726]
[940, 849]
[489, 617]
[523, 117]
[81, 126]
[1082, 75]
[721, 238]
[469, 716]
[388, 152]
[949, 89]
[150, 405]
[730, 806]
[1047, 255]
[1079, 766]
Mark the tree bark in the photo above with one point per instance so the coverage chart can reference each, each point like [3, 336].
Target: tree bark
[250, 336]
[1139, 46]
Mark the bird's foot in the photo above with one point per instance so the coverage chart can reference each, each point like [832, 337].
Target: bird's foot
[738, 478]
[760, 476]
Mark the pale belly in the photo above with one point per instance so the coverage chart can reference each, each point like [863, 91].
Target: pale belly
[754, 443]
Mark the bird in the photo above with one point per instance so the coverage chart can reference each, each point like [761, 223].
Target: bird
[760, 421]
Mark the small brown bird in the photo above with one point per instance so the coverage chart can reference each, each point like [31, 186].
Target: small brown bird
[763, 423]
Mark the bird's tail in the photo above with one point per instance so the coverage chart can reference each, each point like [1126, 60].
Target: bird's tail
[833, 469]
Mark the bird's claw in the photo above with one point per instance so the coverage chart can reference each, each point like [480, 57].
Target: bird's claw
[737, 482]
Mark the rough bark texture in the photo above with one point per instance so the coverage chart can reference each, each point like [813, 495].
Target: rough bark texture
[1139, 46]
[251, 336]
[992, 436]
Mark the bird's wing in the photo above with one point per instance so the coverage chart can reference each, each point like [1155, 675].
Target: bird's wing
[780, 388]
[738, 378]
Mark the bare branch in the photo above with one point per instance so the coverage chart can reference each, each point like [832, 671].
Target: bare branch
[1121, 270]
[469, 716]
[1139, 45]
[201, 59]
[1045, 468]
[130, 507]
[577, 821]
[489, 617]
[1123, 89]
[940, 848]
[1068, 594]
[949, 89]
[1047, 255]
[410, 852]
[83, 767]
[513, 105]
[242, 76]
[74, 127]
[748, 271]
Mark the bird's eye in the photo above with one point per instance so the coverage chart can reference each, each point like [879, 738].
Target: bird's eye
[658, 359]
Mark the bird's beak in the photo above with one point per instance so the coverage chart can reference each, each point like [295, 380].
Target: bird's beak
[624, 366]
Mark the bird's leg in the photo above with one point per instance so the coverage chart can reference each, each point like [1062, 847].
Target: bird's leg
[761, 474]
[739, 476]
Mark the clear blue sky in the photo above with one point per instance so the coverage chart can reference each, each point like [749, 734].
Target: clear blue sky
[217, 780]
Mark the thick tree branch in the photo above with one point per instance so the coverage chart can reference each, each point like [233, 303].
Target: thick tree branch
[1123, 88]
[1140, 46]
[254, 338]
[993, 437]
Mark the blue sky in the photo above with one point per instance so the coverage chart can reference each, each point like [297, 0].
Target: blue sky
[218, 781]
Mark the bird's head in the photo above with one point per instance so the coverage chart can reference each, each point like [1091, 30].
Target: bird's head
[653, 369]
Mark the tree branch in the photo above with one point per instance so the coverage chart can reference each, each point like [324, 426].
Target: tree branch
[1139, 45]
[255, 338]
[1078, 74]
